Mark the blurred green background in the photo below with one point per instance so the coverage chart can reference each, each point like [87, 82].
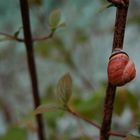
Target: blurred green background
[81, 48]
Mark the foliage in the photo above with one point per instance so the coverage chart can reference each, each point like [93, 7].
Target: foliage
[14, 133]
[54, 18]
[126, 99]
[60, 50]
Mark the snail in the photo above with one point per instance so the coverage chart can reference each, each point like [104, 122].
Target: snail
[121, 69]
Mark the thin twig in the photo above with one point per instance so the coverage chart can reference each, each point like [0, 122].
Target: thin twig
[120, 23]
[50, 35]
[31, 63]
[79, 116]
[117, 134]
[83, 118]
[12, 37]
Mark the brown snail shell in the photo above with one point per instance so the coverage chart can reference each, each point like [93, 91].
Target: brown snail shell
[121, 69]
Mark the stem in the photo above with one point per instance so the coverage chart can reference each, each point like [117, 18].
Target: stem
[83, 118]
[121, 16]
[120, 23]
[12, 37]
[31, 63]
[93, 123]
[117, 134]
[108, 109]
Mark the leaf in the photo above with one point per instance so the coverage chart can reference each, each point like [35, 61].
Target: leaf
[14, 133]
[120, 101]
[61, 25]
[46, 108]
[91, 107]
[17, 32]
[64, 88]
[132, 101]
[54, 18]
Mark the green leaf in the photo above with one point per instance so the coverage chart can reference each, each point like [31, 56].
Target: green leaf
[132, 101]
[61, 25]
[120, 101]
[14, 133]
[46, 108]
[91, 107]
[54, 18]
[17, 32]
[64, 88]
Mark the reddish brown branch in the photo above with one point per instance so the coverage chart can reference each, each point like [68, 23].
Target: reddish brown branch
[93, 123]
[44, 38]
[8, 36]
[120, 3]
[117, 43]
[108, 109]
[83, 118]
[31, 63]
[117, 134]
[120, 23]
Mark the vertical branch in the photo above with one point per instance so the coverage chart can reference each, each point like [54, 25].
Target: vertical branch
[120, 23]
[108, 109]
[31, 63]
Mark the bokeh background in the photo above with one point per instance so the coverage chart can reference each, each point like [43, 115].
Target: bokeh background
[82, 48]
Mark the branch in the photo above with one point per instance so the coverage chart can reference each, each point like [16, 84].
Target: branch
[113, 133]
[120, 3]
[50, 35]
[120, 23]
[108, 109]
[12, 37]
[83, 118]
[31, 63]
[117, 134]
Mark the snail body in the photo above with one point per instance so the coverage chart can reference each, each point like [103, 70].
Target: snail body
[121, 69]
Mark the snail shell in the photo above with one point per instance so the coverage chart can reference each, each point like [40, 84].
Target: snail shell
[121, 69]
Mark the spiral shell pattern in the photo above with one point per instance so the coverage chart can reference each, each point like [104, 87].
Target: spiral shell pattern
[121, 69]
